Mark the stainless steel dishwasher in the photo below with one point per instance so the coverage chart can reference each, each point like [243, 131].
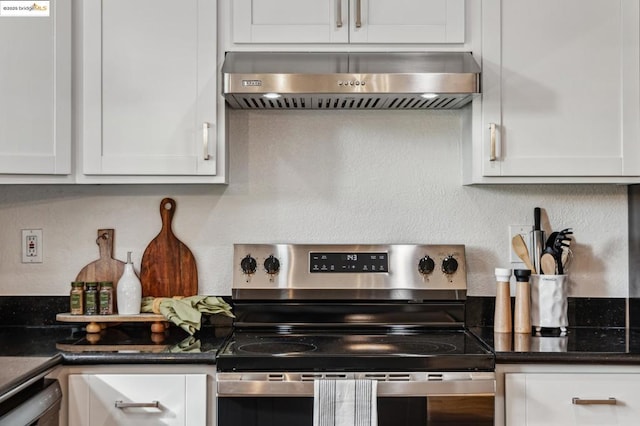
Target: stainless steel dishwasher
[38, 404]
[28, 397]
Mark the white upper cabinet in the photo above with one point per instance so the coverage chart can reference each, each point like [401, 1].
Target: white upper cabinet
[348, 21]
[150, 91]
[35, 90]
[560, 92]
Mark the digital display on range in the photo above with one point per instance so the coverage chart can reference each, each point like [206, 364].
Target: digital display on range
[368, 262]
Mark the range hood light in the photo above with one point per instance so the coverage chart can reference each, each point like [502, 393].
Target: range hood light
[429, 95]
[272, 95]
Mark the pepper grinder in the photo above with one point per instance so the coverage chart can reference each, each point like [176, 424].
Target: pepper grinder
[502, 313]
[522, 316]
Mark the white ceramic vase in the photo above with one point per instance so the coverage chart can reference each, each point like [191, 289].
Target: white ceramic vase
[129, 290]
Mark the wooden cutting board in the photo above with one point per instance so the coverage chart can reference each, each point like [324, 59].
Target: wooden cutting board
[106, 268]
[168, 267]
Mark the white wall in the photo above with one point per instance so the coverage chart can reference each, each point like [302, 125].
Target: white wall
[322, 176]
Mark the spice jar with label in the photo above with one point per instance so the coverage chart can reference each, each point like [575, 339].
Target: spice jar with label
[106, 298]
[91, 302]
[76, 298]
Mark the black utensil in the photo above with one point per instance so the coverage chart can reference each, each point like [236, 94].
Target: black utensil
[551, 240]
[561, 243]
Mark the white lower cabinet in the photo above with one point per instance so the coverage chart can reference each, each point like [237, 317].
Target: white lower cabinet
[137, 399]
[576, 398]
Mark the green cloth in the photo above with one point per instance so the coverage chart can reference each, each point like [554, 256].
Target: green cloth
[190, 344]
[187, 312]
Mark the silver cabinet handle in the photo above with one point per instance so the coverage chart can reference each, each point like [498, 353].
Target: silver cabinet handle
[580, 401]
[492, 142]
[205, 140]
[339, 15]
[152, 404]
[358, 13]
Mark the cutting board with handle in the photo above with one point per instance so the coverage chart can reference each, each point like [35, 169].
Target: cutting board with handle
[106, 268]
[168, 267]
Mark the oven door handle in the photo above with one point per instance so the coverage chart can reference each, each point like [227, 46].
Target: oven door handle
[257, 388]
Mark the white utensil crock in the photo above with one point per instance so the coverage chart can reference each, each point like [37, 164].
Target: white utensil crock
[549, 301]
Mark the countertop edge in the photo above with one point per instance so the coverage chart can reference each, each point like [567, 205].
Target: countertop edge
[69, 358]
[42, 369]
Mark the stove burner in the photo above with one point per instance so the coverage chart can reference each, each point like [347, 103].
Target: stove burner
[277, 348]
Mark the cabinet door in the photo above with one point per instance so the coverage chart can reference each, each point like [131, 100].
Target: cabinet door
[149, 87]
[128, 399]
[290, 21]
[560, 87]
[348, 21]
[535, 399]
[407, 21]
[35, 89]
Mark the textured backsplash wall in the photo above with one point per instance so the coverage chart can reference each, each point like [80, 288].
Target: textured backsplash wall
[323, 176]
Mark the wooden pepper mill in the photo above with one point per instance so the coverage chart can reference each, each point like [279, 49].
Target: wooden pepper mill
[522, 315]
[502, 313]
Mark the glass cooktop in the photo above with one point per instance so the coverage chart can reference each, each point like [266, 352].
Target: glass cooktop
[451, 350]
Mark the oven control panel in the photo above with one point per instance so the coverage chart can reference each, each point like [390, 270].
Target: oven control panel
[371, 270]
[348, 262]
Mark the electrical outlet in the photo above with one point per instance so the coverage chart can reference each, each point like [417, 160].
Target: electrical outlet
[32, 246]
[525, 231]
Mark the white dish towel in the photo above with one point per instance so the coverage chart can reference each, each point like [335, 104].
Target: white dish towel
[345, 403]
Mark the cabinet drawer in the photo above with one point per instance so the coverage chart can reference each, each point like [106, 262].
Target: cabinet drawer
[140, 399]
[572, 399]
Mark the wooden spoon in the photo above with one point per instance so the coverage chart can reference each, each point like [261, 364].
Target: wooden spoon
[548, 264]
[520, 248]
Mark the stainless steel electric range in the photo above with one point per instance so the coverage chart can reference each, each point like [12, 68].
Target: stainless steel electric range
[389, 313]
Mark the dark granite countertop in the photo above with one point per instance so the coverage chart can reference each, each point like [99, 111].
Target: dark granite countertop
[120, 344]
[30, 329]
[587, 345]
[597, 334]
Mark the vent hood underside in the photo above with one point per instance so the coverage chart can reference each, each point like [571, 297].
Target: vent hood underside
[289, 80]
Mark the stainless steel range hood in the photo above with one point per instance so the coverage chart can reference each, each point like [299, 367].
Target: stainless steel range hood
[290, 80]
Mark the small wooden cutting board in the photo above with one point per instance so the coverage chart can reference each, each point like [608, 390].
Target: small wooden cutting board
[106, 268]
[168, 267]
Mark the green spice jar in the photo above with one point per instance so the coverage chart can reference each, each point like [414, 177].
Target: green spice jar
[76, 297]
[106, 298]
[91, 302]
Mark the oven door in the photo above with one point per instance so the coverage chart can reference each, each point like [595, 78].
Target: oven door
[404, 399]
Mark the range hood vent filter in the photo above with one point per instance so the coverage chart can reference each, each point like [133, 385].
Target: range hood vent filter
[348, 102]
[287, 80]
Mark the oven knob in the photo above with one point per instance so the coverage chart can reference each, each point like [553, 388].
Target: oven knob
[272, 265]
[449, 265]
[426, 265]
[249, 265]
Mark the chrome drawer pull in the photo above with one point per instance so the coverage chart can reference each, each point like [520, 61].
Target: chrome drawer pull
[205, 140]
[339, 15]
[152, 404]
[492, 146]
[358, 13]
[580, 401]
